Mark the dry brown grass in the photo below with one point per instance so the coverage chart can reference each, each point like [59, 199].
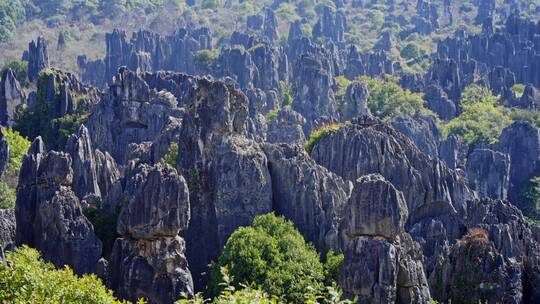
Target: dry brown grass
[476, 236]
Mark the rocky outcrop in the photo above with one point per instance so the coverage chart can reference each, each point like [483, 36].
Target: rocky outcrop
[286, 127]
[133, 112]
[227, 174]
[148, 259]
[49, 214]
[38, 58]
[427, 19]
[437, 101]
[422, 130]
[369, 146]
[453, 152]
[488, 173]
[4, 153]
[7, 231]
[382, 263]
[307, 194]
[356, 101]
[11, 96]
[85, 179]
[314, 98]
[521, 141]
[331, 25]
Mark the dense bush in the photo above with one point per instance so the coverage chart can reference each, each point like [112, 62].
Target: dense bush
[172, 155]
[26, 278]
[411, 51]
[273, 256]
[18, 146]
[204, 59]
[7, 196]
[482, 118]
[387, 99]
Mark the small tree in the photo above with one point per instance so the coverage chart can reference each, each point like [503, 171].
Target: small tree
[271, 255]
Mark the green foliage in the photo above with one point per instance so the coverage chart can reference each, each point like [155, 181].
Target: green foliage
[272, 115]
[318, 134]
[12, 13]
[20, 69]
[26, 278]
[532, 195]
[331, 266]
[482, 118]
[104, 224]
[204, 59]
[287, 11]
[387, 99]
[41, 121]
[342, 83]
[18, 146]
[172, 155]
[272, 255]
[518, 89]
[286, 93]
[412, 51]
[8, 196]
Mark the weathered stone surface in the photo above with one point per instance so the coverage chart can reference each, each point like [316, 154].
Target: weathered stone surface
[152, 269]
[453, 152]
[38, 58]
[355, 103]
[375, 209]
[382, 263]
[148, 259]
[422, 130]
[331, 25]
[157, 203]
[49, 214]
[286, 128]
[307, 194]
[4, 153]
[11, 96]
[489, 173]
[368, 146]
[132, 112]
[521, 141]
[7, 231]
[85, 181]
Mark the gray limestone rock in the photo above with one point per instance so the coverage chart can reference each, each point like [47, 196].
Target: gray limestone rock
[11, 97]
[7, 231]
[489, 173]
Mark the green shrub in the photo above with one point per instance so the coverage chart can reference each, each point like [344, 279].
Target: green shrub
[20, 69]
[204, 59]
[8, 196]
[411, 51]
[482, 118]
[18, 146]
[518, 89]
[286, 93]
[532, 195]
[318, 134]
[26, 278]
[387, 99]
[271, 255]
[172, 155]
[342, 83]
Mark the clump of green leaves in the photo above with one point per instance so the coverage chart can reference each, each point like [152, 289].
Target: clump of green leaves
[26, 278]
[318, 134]
[172, 155]
[204, 59]
[532, 195]
[8, 196]
[273, 256]
[18, 146]
[518, 89]
[286, 93]
[482, 118]
[20, 69]
[387, 99]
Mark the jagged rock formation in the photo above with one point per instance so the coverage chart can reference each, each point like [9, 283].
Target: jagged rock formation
[427, 19]
[227, 174]
[11, 96]
[331, 25]
[286, 128]
[314, 98]
[38, 58]
[49, 214]
[488, 172]
[148, 260]
[521, 141]
[355, 103]
[132, 112]
[382, 263]
[7, 231]
[422, 130]
[307, 194]
[368, 146]
[453, 152]
[4, 153]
